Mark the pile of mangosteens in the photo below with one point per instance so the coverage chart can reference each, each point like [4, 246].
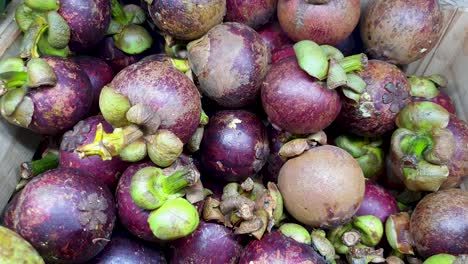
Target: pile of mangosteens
[231, 131]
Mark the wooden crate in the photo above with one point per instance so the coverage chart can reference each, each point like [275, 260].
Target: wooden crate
[450, 57]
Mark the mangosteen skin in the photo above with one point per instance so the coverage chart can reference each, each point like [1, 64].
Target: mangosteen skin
[442, 99]
[187, 20]
[99, 74]
[230, 62]
[458, 164]
[132, 217]
[274, 36]
[401, 31]
[168, 92]
[328, 23]
[386, 93]
[253, 13]
[123, 248]
[88, 21]
[323, 187]
[274, 163]
[209, 243]
[377, 202]
[439, 223]
[58, 108]
[234, 146]
[106, 171]
[116, 58]
[295, 101]
[9, 212]
[275, 248]
[66, 215]
[283, 53]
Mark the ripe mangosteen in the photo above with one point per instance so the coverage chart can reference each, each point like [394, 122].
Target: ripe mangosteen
[323, 187]
[66, 215]
[252, 13]
[387, 92]
[210, 243]
[55, 95]
[274, 36]
[323, 21]
[377, 202]
[106, 171]
[230, 62]
[234, 146]
[439, 223]
[187, 20]
[295, 101]
[401, 31]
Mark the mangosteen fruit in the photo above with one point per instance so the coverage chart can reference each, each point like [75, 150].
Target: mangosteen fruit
[230, 62]
[458, 164]
[99, 73]
[234, 146]
[106, 171]
[66, 215]
[116, 58]
[52, 27]
[14, 249]
[274, 36]
[401, 31]
[322, 21]
[48, 96]
[187, 20]
[323, 187]
[210, 243]
[439, 223]
[429, 89]
[252, 13]
[123, 248]
[377, 202]
[387, 92]
[151, 101]
[275, 247]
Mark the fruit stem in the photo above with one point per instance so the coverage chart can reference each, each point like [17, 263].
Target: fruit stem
[30, 40]
[33, 168]
[354, 63]
[109, 145]
[177, 181]
[118, 13]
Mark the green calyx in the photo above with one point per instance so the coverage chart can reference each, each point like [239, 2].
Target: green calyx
[367, 151]
[326, 62]
[134, 152]
[59, 32]
[133, 39]
[43, 5]
[423, 146]
[398, 234]
[181, 65]
[150, 188]
[164, 147]
[108, 145]
[296, 232]
[440, 259]
[114, 107]
[371, 229]
[323, 245]
[335, 237]
[427, 87]
[174, 219]
[40, 73]
[129, 36]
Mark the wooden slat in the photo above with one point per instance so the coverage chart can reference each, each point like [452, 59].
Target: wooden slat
[16, 144]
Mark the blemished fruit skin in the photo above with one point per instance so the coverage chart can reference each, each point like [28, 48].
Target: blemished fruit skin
[88, 21]
[275, 247]
[401, 31]
[209, 243]
[106, 171]
[439, 223]
[323, 187]
[60, 107]
[234, 146]
[386, 93]
[187, 20]
[230, 63]
[254, 13]
[66, 215]
[328, 23]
